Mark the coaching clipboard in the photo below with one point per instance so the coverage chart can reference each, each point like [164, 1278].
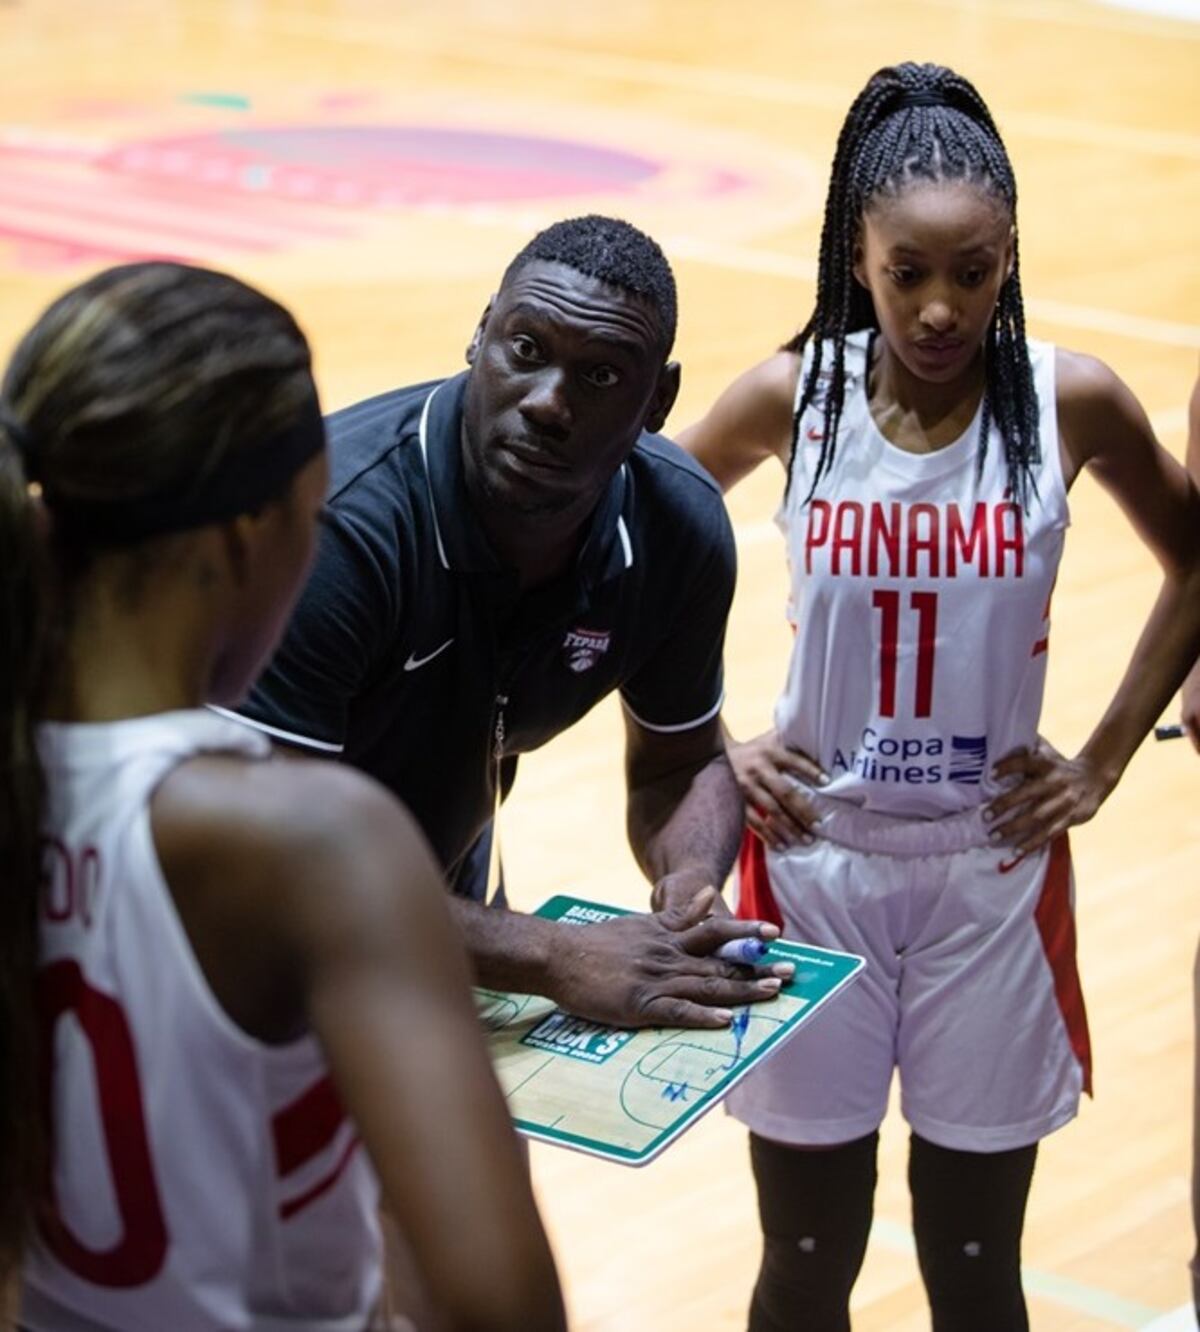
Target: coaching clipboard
[626, 1095]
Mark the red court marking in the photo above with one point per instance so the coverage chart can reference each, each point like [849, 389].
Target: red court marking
[194, 195]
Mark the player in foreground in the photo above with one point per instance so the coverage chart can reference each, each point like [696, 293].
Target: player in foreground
[909, 810]
[240, 965]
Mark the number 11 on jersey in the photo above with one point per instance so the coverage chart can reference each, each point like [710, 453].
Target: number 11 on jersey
[924, 605]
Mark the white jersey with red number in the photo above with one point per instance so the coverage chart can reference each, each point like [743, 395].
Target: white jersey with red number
[202, 1180]
[920, 599]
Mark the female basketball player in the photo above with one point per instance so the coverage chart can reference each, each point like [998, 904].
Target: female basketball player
[242, 964]
[910, 811]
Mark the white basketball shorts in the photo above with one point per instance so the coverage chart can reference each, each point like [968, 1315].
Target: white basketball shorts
[970, 989]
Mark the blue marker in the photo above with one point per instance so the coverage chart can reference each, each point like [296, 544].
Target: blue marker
[748, 952]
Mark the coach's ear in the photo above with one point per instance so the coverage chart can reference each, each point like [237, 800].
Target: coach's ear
[477, 336]
[666, 390]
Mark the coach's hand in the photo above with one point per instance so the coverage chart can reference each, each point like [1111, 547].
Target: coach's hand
[680, 887]
[653, 970]
[773, 781]
[1053, 793]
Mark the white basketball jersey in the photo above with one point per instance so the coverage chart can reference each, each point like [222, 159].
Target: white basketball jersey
[920, 598]
[202, 1180]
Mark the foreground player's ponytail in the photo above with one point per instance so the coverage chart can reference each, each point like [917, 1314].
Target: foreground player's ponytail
[21, 661]
[916, 123]
[150, 399]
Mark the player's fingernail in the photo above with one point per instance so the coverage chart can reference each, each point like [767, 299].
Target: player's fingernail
[988, 815]
[823, 779]
[784, 970]
[994, 835]
[770, 984]
[768, 931]
[723, 1015]
[807, 839]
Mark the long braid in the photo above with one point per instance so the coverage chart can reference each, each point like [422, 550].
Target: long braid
[916, 122]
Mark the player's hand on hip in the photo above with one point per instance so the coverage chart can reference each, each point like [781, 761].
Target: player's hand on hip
[1052, 793]
[1190, 713]
[774, 781]
[654, 970]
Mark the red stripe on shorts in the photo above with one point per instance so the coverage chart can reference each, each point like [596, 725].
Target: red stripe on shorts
[756, 901]
[1056, 924]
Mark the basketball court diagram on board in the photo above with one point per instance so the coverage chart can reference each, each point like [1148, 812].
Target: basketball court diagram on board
[626, 1095]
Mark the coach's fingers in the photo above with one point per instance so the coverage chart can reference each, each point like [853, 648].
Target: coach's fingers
[706, 936]
[682, 916]
[715, 991]
[664, 1011]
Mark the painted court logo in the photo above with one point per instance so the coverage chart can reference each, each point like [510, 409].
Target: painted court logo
[583, 648]
[562, 1034]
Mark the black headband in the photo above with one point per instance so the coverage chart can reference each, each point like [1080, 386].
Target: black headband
[920, 97]
[244, 481]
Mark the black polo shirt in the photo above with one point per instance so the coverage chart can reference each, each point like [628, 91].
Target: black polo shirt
[410, 641]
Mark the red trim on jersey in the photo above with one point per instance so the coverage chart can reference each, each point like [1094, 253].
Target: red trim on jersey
[1042, 645]
[290, 1206]
[756, 901]
[1056, 925]
[307, 1126]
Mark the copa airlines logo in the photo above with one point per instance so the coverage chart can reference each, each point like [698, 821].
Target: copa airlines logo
[914, 760]
[583, 648]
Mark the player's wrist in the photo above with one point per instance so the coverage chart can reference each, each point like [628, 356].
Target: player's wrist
[1103, 768]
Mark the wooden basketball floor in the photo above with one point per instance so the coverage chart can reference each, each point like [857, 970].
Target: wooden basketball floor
[375, 163]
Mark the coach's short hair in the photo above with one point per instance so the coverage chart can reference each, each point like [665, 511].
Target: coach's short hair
[611, 251]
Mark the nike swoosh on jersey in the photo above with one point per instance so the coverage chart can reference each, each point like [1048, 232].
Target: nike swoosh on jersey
[414, 663]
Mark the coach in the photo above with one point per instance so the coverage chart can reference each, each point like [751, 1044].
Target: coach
[502, 550]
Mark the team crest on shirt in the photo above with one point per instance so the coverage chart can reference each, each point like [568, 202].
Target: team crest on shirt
[583, 648]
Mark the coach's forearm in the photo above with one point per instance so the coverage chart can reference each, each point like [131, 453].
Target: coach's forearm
[508, 950]
[687, 826]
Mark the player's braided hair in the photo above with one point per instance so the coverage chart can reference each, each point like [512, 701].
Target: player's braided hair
[917, 122]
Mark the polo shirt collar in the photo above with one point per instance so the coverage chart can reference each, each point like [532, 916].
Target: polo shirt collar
[462, 546]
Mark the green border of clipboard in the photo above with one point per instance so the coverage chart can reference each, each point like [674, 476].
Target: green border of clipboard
[780, 951]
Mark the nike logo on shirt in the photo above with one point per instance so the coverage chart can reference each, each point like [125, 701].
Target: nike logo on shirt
[414, 663]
